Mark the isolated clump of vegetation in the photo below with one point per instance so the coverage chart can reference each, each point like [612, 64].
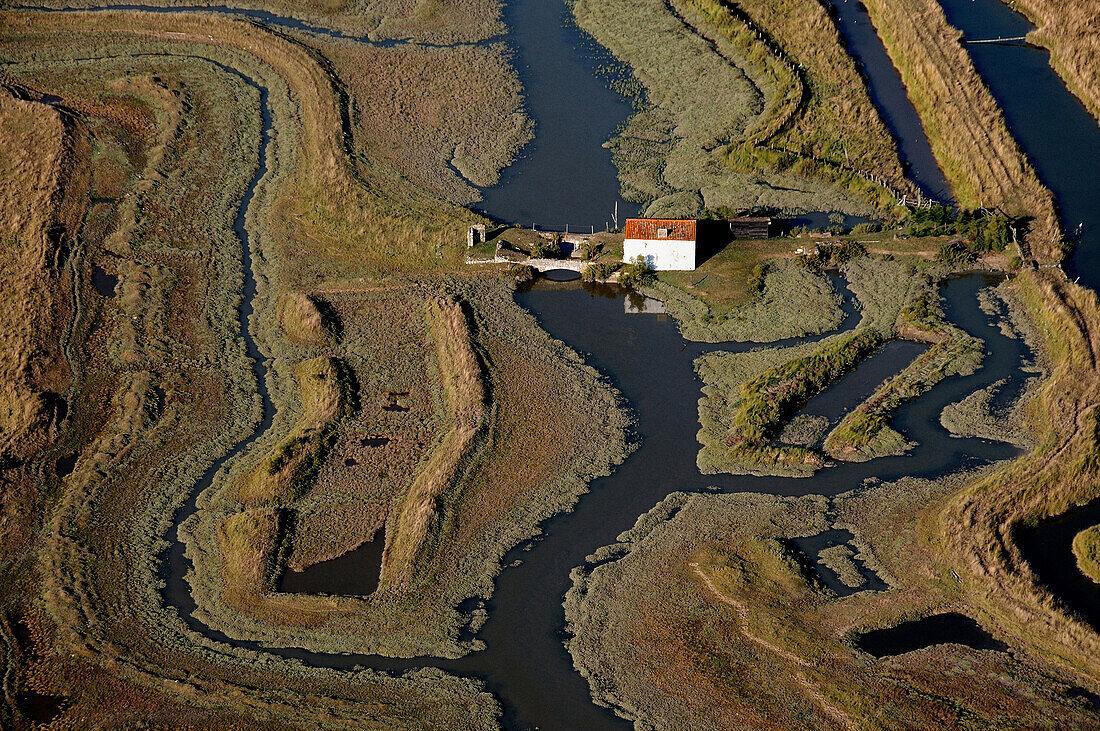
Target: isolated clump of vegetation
[599, 271]
[545, 248]
[522, 273]
[636, 274]
[838, 559]
[306, 320]
[867, 227]
[833, 254]
[1086, 547]
[983, 230]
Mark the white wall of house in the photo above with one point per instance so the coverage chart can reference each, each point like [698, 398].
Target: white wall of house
[661, 254]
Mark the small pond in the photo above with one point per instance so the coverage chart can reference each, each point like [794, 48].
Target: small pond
[103, 282]
[356, 573]
[937, 629]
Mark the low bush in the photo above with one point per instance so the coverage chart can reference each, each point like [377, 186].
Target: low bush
[522, 272]
[636, 273]
[546, 249]
[598, 272]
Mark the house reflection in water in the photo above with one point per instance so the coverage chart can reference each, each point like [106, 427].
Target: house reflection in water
[639, 304]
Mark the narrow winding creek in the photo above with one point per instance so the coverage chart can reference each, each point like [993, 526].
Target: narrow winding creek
[525, 664]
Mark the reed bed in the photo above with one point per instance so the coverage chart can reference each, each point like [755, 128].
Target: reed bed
[704, 615]
[37, 222]
[179, 386]
[795, 301]
[463, 21]
[1086, 547]
[675, 153]
[448, 119]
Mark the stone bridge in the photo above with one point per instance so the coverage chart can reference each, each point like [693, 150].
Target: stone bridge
[543, 265]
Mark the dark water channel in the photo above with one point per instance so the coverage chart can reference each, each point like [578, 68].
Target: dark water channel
[856, 387]
[1053, 128]
[890, 98]
[565, 175]
[934, 630]
[1048, 548]
[1062, 141]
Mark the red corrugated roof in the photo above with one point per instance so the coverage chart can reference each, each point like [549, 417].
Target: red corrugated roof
[647, 228]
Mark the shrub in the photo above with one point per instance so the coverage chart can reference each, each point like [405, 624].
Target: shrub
[591, 250]
[759, 274]
[599, 271]
[956, 254]
[547, 249]
[522, 272]
[635, 273]
[867, 228]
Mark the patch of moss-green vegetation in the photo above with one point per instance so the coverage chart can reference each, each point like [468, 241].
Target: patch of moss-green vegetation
[748, 397]
[768, 399]
[1086, 547]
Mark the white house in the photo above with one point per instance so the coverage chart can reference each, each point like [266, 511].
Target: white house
[663, 243]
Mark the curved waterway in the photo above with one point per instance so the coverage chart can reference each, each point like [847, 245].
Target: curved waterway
[564, 178]
[525, 663]
[1062, 141]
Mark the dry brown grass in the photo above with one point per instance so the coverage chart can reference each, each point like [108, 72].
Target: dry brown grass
[445, 118]
[1071, 30]
[965, 126]
[288, 472]
[464, 392]
[340, 217]
[433, 21]
[300, 319]
[975, 531]
[34, 218]
[838, 122]
[703, 617]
